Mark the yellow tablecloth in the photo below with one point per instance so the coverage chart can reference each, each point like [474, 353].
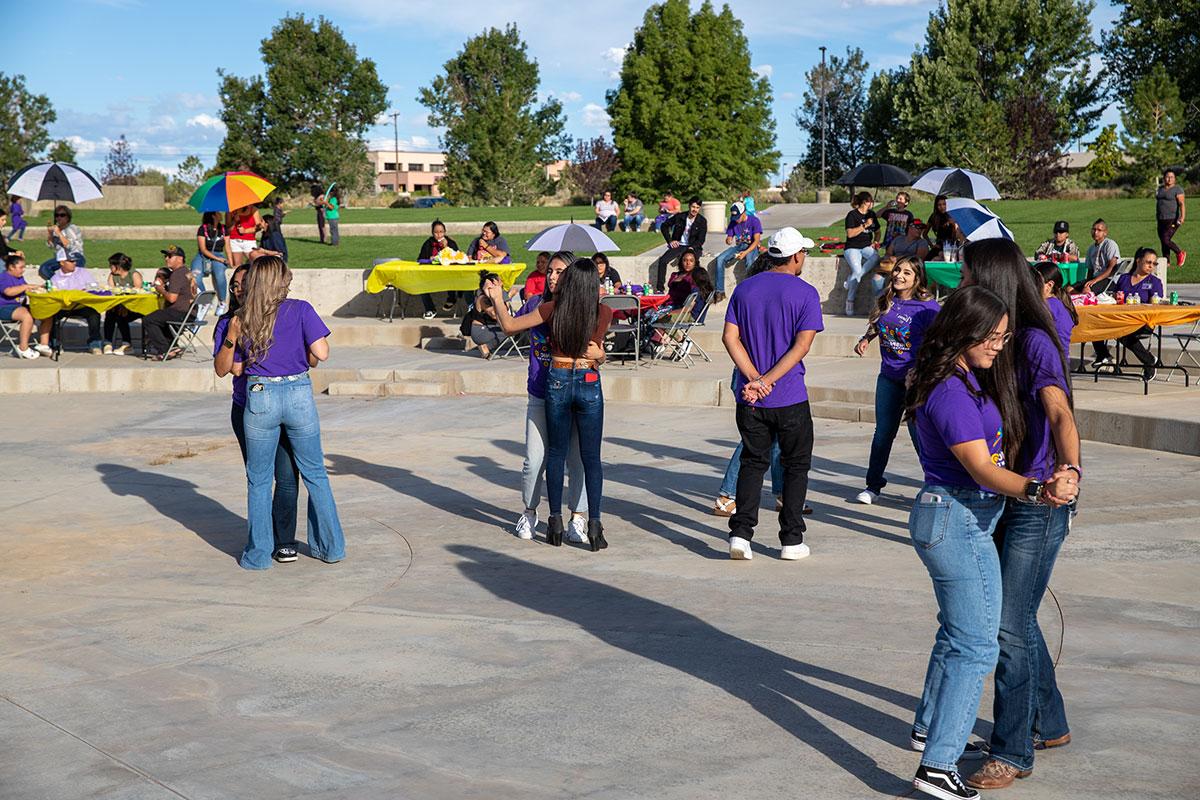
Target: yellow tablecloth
[413, 278]
[1097, 323]
[43, 305]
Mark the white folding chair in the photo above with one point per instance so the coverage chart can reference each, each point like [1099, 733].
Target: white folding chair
[186, 332]
[630, 327]
[675, 343]
[10, 334]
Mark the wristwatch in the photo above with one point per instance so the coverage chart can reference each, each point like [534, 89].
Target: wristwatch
[229, 343]
[1033, 491]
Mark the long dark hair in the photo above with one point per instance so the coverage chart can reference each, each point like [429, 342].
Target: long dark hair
[234, 303]
[938, 220]
[700, 275]
[1049, 272]
[495, 229]
[968, 318]
[576, 308]
[920, 288]
[566, 257]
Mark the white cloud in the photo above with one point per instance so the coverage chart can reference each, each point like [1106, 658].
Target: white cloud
[420, 141]
[787, 95]
[594, 116]
[616, 54]
[206, 121]
[570, 97]
[764, 70]
[83, 147]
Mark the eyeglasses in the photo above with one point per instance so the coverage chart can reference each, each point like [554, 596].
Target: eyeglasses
[62, 216]
[998, 339]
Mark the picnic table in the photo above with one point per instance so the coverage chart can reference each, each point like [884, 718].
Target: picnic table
[44, 305]
[949, 273]
[1103, 322]
[413, 277]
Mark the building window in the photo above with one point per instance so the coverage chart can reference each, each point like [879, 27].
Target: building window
[416, 167]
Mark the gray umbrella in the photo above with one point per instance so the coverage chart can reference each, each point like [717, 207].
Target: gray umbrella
[574, 237]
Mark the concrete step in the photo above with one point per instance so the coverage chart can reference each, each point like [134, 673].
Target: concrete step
[849, 412]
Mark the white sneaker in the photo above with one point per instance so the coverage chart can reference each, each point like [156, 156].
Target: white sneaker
[577, 530]
[221, 308]
[121, 350]
[850, 308]
[429, 315]
[526, 524]
[866, 497]
[108, 350]
[794, 552]
[739, 549]
[44, 349]
[28, 352]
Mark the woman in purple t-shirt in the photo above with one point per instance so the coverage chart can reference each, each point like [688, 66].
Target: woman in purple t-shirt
[536, 440]
[1058, 300]
[273, 341]
[1030, 535]
[903, 313]
[964, 410]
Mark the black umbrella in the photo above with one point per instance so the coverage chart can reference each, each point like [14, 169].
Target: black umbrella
[54, 180]
[875, 175]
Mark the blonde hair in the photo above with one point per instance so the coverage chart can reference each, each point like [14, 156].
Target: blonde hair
[267, 285]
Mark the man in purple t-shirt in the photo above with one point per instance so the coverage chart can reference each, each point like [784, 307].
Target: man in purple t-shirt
[769, 328]
[742, 236]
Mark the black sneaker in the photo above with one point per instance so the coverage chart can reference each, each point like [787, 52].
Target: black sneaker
[1149, 373]
[916, 741]
[941, 783]
[285, 553]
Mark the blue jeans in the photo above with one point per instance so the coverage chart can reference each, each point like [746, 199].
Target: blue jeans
[861, 261]
[889, 409]
[632, 222]
[287, 480]
[202, 266]
[574, 404]
[951, 530]
[50, 266]
[273, 408]
[609, 222]
[1027, 698]
[723, 261]
[729, 484]
[534, 469]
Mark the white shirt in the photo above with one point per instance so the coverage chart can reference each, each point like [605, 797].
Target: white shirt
[604, 210]
[687, 228]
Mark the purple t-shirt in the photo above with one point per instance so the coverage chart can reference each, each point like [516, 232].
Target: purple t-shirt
[1062, 322]
[954, 414]
[539, 351]
[743, 232]
[8, 281]
[769, 310]
[239, 381]
[1039, 365]
[1146, 287]
[296, 327]
[901, 331]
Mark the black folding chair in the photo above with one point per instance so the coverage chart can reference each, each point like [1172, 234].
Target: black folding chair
[629, 328]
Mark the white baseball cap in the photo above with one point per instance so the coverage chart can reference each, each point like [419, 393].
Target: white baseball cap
[736, 210]
[787, 242]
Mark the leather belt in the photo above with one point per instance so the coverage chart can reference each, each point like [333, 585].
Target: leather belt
[574, 363]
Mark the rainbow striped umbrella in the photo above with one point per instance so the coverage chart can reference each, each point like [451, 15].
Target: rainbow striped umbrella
[229, 191]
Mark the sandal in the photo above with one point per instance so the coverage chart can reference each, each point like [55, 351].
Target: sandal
[724, 507]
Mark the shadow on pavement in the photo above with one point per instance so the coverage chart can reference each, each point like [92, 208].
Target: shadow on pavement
[776, 686]
[181, 501]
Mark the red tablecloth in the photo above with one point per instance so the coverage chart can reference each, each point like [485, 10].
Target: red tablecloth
[646, 302]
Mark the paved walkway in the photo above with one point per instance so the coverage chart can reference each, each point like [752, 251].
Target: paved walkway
[446, 659]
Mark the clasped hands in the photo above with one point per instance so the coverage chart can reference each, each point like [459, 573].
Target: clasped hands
[756, 390]
[1062, 488]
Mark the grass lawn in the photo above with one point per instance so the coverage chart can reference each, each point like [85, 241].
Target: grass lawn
[83, 216]
[1130, 222]
[354, 252]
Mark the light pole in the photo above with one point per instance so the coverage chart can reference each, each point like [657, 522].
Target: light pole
[822, 118]
[396, 143]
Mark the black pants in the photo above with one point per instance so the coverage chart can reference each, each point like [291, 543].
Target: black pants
[119, 318]
[321, 226]
[793, 427]
[89, 315]
[156, 336]
[660, 266]
[1166, 230]
[1133, 344]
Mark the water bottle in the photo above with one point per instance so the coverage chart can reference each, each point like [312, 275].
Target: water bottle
[608, 286]
[1155, 299]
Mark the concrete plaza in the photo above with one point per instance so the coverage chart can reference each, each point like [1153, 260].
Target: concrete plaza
[446, 659]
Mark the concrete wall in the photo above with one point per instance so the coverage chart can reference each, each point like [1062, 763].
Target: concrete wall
[142, 198]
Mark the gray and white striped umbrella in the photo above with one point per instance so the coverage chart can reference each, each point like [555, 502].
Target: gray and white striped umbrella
[54, 180]
[957, 183]
[574, 237]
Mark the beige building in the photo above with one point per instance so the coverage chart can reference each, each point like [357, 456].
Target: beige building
[412, 170]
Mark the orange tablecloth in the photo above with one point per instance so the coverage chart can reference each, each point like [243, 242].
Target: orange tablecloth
[1097, 323]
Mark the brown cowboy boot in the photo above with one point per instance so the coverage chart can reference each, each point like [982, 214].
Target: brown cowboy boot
[996, 774]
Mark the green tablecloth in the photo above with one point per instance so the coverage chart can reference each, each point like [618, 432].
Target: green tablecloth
[949, 273]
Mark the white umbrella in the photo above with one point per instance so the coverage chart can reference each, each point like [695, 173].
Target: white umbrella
[54, 180]
[574, 237]
[976, 221]
[957, 183]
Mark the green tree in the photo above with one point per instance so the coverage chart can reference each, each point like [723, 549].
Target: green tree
[1152, 116]
[878, 119]
[120, 167]
[24, 118]
[306, 118]
[62, 151]
[191, 172]
[1109, 160]
[689, 114]
[844, 81]
[953, 104]
[497, 139]
[1148, 34]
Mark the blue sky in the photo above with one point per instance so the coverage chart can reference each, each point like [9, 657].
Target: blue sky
[147, 68]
